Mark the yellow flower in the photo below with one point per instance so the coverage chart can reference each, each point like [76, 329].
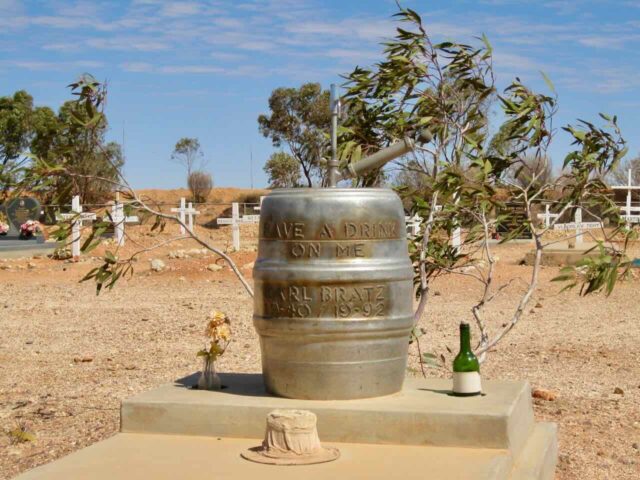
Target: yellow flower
[224, 332]
[218, 327]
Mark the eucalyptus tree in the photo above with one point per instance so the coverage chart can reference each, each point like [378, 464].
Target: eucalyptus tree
[448, 87]
[15, 134]
[300, 120]
[188, 153]
[59, 139]
[283, 170]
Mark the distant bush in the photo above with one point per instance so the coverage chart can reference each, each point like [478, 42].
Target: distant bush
[200, 184]
[249, 197]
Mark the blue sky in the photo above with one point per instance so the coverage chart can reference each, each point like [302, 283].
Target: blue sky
[206, 69]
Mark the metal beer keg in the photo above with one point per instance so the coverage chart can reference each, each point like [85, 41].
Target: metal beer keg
[333, 293]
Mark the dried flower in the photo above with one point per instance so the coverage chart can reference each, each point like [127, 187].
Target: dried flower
[218, 333]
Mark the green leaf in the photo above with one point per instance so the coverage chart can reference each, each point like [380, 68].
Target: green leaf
[430, 359]
[548, 81]
[110, 257]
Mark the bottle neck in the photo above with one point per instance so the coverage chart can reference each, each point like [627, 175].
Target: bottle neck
[465, 338]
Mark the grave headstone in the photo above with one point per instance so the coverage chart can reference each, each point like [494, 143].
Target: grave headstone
[18, 211]
[15, 213]
[517, 217]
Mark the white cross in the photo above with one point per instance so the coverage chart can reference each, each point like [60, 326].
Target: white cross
[259, 206]
[78, 218]
[118, 219]
[628, 209]
[547, 216]
[413, 225]
[578, 220]
[185, 210]
[234, 222]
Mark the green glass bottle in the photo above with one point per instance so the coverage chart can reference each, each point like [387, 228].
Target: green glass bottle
[466, 367]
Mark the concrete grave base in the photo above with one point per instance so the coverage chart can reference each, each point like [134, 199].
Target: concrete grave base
[562, 255]
[10, 248]
[177, 432]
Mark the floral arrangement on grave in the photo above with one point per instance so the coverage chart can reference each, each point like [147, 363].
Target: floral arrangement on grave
[4, 226]
[29, 228]
[218, 334]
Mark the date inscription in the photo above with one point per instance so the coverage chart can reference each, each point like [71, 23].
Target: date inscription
[326, 301]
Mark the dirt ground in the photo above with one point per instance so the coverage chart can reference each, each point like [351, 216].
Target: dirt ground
[68, 357]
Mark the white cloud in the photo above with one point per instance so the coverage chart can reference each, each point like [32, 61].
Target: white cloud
[180, 9]
[39, 65]
[137, 67]
[191, 69]
[127, 44]
[11, 7]
[226, 56]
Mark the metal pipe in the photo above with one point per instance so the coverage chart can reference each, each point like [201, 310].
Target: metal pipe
[334, 103]
[380, 158]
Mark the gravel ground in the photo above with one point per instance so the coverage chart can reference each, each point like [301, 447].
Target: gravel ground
[67, 357]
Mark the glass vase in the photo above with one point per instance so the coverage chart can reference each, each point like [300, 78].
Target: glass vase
[209, 379]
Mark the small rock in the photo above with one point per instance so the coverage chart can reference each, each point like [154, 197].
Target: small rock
[248, 266]
[544, 394]
[157, 265]
[213, 267]
[5, 267]
[31, 265]
[29, 342]
[182, 279]
[436, 293]
[82, 360]
[45, 412]
[618, 391]
[635, 446]
[538, 305]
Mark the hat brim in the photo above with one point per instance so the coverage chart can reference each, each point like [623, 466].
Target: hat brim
[260, 455]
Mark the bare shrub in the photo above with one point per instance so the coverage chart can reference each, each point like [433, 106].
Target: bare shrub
[200, 184]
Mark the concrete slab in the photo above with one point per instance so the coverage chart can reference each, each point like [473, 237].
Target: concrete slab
[25, 248]
[539, 457]
[130, 456]
[423, 413]
[562, 256]
[169, 457]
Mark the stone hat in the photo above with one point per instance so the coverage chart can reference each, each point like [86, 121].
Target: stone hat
[291, 439]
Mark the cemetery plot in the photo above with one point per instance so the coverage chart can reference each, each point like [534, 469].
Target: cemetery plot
[77, 337]
[517, 218]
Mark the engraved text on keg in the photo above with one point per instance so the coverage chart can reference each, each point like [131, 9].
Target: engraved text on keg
[370, 230]
[347, 230]
[285, 230]
[326, 301]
